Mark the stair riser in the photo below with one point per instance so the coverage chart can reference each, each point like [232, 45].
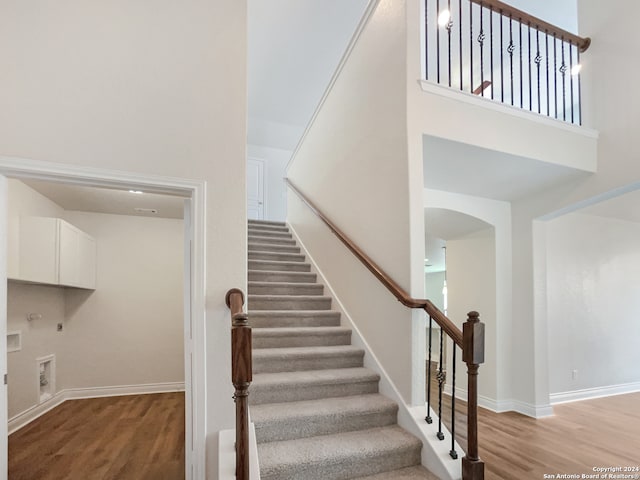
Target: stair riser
[280, 394]
[269, 228]
[304, 363]
[278, 257]
[289, 429]
[269, 247]
[270, 276]
[299, 341]
[268, 233]
[353, 467]
[271, 240]
[301, 289]
[264, 321]
[279, 266]
[290, 303]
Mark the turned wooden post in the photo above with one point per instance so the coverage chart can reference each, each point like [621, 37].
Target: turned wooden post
[241, 376]
[473, 356]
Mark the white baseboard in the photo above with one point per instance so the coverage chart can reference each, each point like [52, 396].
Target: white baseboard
[501, 406]
[598, 392]
[24, 418]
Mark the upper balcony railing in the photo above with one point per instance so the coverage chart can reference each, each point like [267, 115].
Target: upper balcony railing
[493, 50]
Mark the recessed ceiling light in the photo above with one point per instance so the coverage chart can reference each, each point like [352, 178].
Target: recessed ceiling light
[137, 192]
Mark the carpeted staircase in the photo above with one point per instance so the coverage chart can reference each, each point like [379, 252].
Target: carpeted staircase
[317, 410]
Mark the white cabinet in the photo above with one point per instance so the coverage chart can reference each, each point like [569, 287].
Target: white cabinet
[55, 252]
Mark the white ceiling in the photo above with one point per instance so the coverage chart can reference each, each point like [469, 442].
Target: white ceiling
[294, 47]
[105, 200]
[488, 173]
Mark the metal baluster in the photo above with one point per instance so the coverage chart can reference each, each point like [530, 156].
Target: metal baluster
[441, 379]
[471, 46]
[579, 89]
[571, 78]
[555, 75]
[449, 26]
[510, 49]
[530, 82]
[491, 47]
[453, 452]
[501, 60]
[481, 38]
[438, 41]
[563, 71]
[548, 94]
[460, 40]
[538, 60]
[426, 39]
[521, 87]
[428, 418]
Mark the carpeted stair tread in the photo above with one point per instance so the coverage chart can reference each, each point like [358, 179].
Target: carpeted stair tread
[252, 232]
[277, 256]
[286, 421]
[291, 359]
[312, 384]
[271, 228]
[285, 288]
[273, 276]
[274, 265]
[253, 238]
[288, 302]
[410, 473]
[294, 318]
[266, 222]
[339, 456]
[300, 336]
[270, 247]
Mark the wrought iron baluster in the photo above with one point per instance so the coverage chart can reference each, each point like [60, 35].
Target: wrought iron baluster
[501, 59]
[530, 82]
[438, 41]
[538, 60]
[481, 38]
[453, 452]
[563, 71]
[510, 49]
[460, 41]
[449, 27]
[426, 39]
[548, 93]
[491, 47]
[579, 89]
[555, 75]
[428, 418]
[571, 79]
[471, 46]
[521, 86]
[441, 379]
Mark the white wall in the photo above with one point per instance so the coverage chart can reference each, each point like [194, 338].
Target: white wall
[593, 271]
[275, 171]
[353, 154]
[471, 285]
[151, 88]
[130, 330]
[433, 283]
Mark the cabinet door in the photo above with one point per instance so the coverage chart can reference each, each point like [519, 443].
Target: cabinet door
[38, 250]
[86, 261]
[69, 269]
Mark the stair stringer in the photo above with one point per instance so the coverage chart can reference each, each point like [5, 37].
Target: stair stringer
[435, 453]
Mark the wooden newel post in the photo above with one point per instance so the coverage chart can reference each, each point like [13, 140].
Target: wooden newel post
[473, 356]
[241, 376]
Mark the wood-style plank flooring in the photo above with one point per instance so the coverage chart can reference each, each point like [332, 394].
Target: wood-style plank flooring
[580, 436]
[136, 437]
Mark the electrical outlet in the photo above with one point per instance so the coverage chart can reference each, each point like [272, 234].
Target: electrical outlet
[574, 374]
[59, 327]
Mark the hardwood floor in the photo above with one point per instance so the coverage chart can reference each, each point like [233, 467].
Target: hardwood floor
[136, 437]
[603, 432]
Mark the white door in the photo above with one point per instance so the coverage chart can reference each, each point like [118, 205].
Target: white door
[255, 189]
[3, 329]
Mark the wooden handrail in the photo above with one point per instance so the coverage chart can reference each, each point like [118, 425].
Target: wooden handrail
[535, 22]
[470, 339]
[241, 376]
[403, 297]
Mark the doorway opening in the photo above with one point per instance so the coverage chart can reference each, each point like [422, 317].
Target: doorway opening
[191, 309]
